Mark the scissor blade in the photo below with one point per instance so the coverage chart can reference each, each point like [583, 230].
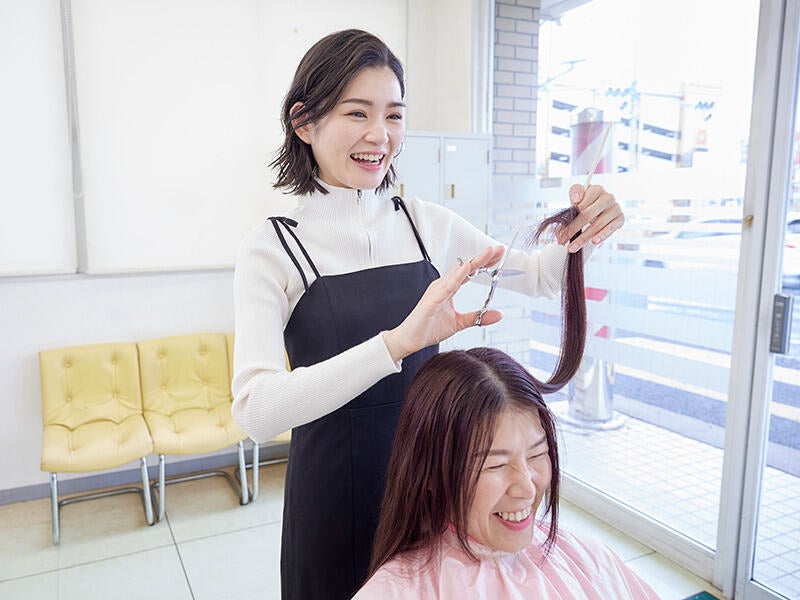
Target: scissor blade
[499, 268]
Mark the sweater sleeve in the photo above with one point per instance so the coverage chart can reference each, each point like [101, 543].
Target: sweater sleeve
[268, 399]
[450, 237]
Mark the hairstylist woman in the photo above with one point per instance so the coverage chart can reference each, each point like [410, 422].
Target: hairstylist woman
[357, 286]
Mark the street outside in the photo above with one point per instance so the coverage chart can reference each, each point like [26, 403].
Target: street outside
[686, 403]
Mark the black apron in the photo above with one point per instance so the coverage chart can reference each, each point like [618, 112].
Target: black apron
[337, 464]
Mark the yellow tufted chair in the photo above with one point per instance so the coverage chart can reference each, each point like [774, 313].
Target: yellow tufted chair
[92, 418]
[284, 437]
[187, 404]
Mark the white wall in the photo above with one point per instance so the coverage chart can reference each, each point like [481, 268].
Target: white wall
[34, 143]
[48, 311]
[439, 67]
[179, 104]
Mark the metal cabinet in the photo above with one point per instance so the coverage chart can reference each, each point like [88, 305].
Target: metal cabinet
[451, 170]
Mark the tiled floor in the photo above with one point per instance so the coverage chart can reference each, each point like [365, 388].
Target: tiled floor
[777, 559]
[676, 482]
[209, 547]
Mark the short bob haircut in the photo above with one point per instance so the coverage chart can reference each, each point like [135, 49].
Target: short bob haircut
[447, 423]
[319, 82]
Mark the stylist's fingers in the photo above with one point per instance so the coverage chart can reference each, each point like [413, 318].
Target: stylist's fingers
[443, 289]
[566, 232]
[599, 216]
[487, 258]
[604, 214]
[434, 318]
[491, 255]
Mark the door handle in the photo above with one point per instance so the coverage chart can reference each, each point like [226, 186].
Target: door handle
[780, 335]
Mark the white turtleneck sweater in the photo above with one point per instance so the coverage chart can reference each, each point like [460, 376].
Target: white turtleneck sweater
[342, 233]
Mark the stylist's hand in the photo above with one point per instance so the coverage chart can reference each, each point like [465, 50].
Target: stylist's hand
[434, 318]
[598, 209]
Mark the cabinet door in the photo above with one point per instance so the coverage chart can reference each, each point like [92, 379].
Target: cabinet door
[418, 168]
[466, 178]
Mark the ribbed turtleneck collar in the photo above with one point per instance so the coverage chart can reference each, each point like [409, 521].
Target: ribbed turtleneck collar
[342, 204]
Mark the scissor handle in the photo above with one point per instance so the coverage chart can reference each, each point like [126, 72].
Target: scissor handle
[485, 307]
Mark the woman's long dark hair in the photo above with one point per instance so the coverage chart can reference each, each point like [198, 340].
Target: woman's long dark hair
[319, 82]
[573, 309]
[447, 424]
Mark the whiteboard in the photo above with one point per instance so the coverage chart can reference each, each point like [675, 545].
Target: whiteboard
[179, 106]
[37, 223]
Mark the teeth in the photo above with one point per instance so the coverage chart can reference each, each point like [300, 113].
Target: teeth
[515, 517]
[373, 158]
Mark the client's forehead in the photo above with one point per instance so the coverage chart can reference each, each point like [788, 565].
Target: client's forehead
[517, 429]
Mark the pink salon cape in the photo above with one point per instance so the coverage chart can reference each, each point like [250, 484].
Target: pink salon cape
[574, 569]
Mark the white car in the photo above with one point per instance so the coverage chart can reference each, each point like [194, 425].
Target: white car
[710, 243]
[716, 243]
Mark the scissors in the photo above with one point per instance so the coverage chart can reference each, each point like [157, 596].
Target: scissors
[495, 273]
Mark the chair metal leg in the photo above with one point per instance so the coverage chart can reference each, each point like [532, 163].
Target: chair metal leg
[54, 508]
[255, 472]
[146, 499]
[162, 486]
[240, 487]
[243, 475]
[56, 504]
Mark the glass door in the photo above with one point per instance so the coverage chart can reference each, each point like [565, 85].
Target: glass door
[769, 548]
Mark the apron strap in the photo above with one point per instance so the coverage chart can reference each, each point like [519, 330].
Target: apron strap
[287, 225]
[398, 204]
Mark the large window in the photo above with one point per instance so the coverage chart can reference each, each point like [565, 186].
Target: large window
[644, 422]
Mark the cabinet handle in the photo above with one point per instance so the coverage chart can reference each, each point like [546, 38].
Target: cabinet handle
[452, 190]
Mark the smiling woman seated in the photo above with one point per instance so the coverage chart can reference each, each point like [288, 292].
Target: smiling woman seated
[475, 457]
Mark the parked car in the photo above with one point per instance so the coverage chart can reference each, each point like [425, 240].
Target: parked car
[716, 242]
[709, 243]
